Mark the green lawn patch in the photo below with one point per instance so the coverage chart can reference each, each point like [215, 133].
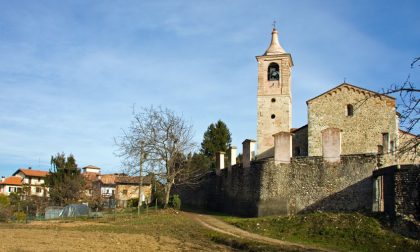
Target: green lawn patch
[339, 231]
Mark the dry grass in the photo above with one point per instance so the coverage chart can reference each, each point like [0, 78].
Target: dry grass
[156, 231]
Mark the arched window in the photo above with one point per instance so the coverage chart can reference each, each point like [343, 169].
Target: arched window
[273, 72]
[349, 110]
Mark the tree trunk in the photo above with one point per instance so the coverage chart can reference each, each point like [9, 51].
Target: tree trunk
[168, 187]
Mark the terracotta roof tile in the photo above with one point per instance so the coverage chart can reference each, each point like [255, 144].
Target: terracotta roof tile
[32, 173]
[14, 180]
[108, 179]
[90, 176]
[147, 180]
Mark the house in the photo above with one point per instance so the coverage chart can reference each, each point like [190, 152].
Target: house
[128, 188]
[10, 185]
[33, 181]
[118, 188]
[91, 169]
[90, 174]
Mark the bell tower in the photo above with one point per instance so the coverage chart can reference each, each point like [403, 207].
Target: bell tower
[274, 98]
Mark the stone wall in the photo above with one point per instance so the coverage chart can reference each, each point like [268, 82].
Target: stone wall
[306, 184]
[399, 191]
[274, 101]
[300, 141]
[373, 115]
[407, 191]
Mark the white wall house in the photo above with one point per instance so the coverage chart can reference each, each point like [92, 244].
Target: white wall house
[10, 185]
[34, 180]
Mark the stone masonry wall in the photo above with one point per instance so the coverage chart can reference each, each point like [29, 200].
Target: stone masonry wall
[361, 132]
[307, 184]
[274, 101]
[300, 141]
[310, 184]
[407, 191]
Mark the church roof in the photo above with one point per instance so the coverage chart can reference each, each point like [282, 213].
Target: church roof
[275, 47]
[344, 84]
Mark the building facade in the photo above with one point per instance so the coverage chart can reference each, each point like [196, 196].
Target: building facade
[10, 185]
[33, 181]
[345, 120]
[274, 98]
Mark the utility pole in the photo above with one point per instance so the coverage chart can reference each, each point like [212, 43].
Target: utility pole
[141, 178]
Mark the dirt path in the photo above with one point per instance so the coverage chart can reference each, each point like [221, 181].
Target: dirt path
[225, 228]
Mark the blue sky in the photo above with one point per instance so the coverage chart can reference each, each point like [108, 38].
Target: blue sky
[70, 71]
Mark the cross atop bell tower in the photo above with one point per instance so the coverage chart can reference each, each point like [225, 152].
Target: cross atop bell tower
[274, 98]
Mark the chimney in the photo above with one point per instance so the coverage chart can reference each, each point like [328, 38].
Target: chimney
[30, 168]
[2, 179]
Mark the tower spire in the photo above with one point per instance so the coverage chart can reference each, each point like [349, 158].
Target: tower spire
[275, 47]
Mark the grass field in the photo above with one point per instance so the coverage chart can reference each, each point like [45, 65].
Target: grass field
[162, 230]
[337, 231]
[169, 230]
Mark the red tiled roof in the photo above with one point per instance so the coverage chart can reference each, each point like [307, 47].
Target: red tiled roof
[90, 176]
[108, 179]
[147, 180]
[32, 173]
[14, 180]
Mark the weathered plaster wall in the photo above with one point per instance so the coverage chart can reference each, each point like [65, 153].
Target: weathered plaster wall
[362, 132]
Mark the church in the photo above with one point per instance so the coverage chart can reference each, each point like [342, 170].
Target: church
[346, 158]
[344, 120]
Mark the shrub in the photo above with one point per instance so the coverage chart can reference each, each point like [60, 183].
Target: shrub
[4, 200]
[175, 202]
[5, 209]
[133, 202]
[19, 216]
[5, 213]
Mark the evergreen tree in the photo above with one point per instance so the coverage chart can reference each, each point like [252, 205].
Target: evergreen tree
[216, 138]
[64, 180]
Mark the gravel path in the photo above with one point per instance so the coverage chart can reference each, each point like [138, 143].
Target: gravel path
[225, 228]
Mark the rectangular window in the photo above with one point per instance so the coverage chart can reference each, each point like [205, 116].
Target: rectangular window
[10, 189]
[349, 110]
[124, 192]
[385, 142]
[38, 189]
[392, 143]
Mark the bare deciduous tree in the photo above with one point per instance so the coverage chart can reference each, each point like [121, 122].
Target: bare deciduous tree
[163, 139]
[409, 112]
